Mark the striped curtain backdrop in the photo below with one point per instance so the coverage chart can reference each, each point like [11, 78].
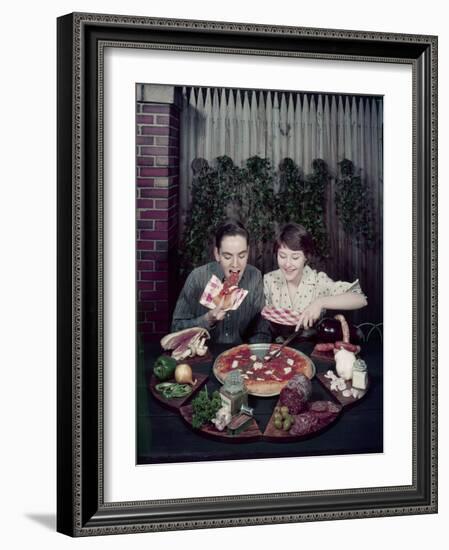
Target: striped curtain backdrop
[301, 126]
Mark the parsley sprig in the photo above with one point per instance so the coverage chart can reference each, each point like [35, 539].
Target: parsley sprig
[205, 408]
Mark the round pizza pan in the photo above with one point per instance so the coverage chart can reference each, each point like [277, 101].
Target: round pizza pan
[260, 350]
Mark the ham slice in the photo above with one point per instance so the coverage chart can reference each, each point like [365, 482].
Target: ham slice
[185, 343]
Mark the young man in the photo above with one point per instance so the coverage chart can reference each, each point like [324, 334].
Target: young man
[244, 324]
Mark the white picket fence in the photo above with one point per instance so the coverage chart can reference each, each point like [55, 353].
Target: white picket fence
[302, 126]
[275, 125]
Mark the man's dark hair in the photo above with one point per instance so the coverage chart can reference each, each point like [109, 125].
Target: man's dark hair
[295, 237]
[230, 228]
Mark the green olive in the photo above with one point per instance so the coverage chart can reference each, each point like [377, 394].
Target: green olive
[277, 410]
[278, 416]
[278, 424]
[287, 424]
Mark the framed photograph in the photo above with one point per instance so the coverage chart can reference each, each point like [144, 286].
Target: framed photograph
[269, 158]
[191, 155]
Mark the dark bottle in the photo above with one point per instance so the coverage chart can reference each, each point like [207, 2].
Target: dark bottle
[329, 330]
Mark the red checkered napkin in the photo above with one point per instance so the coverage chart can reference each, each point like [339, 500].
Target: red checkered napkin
[213, 288]
[281, 316]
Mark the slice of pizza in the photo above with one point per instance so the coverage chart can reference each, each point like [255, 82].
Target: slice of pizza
[227, 292]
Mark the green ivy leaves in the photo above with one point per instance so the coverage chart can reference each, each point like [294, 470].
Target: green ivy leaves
[263, 198]
[301, 199]
[352, 202]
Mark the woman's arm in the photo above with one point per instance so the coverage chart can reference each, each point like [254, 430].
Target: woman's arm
[348, 300]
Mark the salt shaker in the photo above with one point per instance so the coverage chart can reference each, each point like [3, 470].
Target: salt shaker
[359, 375]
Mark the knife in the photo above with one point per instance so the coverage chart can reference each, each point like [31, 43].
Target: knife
[277, 352]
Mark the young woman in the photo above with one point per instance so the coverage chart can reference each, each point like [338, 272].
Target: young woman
[298, 287]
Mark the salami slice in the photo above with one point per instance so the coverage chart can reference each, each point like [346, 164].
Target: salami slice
[318, 406]
[318, 415]
[304, 424]
[324, 411]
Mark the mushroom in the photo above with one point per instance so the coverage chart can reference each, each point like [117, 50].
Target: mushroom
[186, 343]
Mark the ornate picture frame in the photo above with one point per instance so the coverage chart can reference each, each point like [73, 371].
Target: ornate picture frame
[82, 508]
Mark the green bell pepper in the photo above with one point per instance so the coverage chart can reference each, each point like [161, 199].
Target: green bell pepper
[164, 367]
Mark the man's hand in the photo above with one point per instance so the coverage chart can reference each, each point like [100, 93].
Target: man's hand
[217, 314]
[310, 315]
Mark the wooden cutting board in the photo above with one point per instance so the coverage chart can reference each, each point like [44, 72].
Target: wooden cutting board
[338, 395]
[176, 404]
[276, 435]
[252, 433]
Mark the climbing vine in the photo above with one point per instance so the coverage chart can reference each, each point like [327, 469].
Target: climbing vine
[256, 201]
[302, 199]
[248, 193]
[203, 192]
[353, 204]
[290, 197]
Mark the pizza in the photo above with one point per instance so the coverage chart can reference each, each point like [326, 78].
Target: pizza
[261, 377]
[226, 293]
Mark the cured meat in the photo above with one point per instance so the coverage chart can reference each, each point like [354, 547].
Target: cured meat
[304, 424]
[324, 347]
[186, 343]
[344, 327]
[318, 415]
[324, 411]
[319, 406]
[296, 394]
[347, 346]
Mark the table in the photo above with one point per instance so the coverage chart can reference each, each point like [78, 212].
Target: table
[163, 436]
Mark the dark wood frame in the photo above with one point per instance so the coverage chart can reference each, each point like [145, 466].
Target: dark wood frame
[81, 507]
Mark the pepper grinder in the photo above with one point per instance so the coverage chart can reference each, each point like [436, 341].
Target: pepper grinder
[233, 392]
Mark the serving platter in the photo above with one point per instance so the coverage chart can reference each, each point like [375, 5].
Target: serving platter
[276, 435]
[176, 403]
[338, 395]
[251, 434]
[260, 350]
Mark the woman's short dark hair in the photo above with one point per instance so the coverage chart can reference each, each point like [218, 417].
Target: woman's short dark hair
[230, 228]
[295, 237]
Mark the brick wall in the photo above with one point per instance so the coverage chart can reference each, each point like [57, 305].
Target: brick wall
[157, 182]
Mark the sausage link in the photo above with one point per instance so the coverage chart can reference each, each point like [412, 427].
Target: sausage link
[324, 347]
[347, 346]
[344, 327]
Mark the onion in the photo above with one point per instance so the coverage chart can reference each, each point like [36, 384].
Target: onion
[183, 374]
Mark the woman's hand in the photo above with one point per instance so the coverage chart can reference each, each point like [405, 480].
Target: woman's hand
[310, 315]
